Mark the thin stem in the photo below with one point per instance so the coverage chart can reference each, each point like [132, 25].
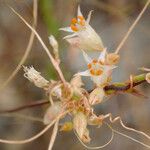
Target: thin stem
[21, 116]
[34, 137]
[55, 64]
[30, 105]
[137, 141]
[28, 49]
[54, 134]
[132, 27]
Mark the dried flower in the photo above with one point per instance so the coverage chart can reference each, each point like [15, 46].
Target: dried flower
[112, 58]
[148, 77]
[84, 36]
[52, 112]
[80, 124]
[96, 96]
[34, 76]
[97, 70]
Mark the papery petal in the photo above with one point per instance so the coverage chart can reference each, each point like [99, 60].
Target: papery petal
[99, 80]
[89, 17]
[90, 39]
[76, 81]
[52, 112]
[70, 36]
[67, 29]
[75, 41]
[84, 73]
[86, 57]
[109, 67]
[79, 11]
[80, 124]
[86, 137]
[102, 55]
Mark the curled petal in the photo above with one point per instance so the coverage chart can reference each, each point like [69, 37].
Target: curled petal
[67, 29]
[89, 17]
[70, 36]
[84, 73]
[34, 76]
[102, 56]
[79, 11]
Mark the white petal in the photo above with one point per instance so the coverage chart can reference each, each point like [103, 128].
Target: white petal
[74, 41]
[109, 67]
[70, 36]
[79, 11]
[67, 29]
[83, 73]
[89, 17]
[86, 57]
[103, 55]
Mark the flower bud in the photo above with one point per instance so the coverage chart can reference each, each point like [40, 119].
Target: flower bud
[112, 58]
[53, 42]
[34, 76]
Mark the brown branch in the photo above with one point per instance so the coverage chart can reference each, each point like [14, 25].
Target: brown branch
[30, 105]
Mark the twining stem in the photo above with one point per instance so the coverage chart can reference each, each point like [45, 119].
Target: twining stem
[28, 49]
[109, 89]
[53, 61]
[124, 86]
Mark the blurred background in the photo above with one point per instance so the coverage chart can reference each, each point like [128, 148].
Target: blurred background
[111, 19]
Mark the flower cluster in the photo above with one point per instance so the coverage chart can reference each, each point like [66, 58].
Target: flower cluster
[70, 97]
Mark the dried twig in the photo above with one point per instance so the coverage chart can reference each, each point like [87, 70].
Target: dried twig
[132, 27]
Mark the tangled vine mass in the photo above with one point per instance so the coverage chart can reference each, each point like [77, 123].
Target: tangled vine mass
[70, 97]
